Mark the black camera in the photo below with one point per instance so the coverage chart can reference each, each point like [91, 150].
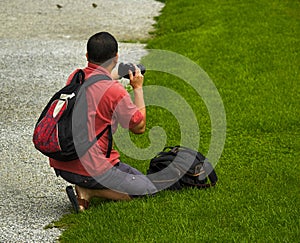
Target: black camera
[125, 67]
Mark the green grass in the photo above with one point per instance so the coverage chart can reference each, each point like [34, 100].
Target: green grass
[250, 49]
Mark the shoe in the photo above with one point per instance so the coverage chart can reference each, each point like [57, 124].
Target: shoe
[78, 204]
[72, 197]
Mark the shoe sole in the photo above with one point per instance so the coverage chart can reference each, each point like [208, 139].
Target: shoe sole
[72, 197]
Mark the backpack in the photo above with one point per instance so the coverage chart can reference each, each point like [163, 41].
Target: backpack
[186, 168]
[53, 132]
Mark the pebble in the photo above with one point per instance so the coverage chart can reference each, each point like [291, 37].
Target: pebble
[40, 45]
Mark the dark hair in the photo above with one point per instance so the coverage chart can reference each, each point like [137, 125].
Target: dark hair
[101, 47]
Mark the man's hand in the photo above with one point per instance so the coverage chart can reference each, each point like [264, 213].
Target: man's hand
[137, 80]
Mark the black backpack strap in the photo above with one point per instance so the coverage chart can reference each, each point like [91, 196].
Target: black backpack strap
[91, 80]
[78, 77]
[210, 172]
[110, 139]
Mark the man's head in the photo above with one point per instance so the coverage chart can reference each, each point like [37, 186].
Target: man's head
[101, 48]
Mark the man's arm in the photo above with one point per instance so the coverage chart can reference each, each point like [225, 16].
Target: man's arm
[136, 82]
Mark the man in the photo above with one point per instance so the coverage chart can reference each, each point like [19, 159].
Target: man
[108, 102]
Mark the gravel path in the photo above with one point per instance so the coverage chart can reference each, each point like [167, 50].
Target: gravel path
[40, 44]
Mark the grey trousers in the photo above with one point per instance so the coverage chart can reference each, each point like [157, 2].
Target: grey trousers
[121, 178]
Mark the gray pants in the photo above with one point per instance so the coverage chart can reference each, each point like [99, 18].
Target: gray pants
[121, 178]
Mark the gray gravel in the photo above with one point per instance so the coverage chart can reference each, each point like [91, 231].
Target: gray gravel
[40, 45]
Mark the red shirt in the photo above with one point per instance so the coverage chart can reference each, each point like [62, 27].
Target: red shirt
[108, 103]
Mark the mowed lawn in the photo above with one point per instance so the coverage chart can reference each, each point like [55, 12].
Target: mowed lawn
[250, 50]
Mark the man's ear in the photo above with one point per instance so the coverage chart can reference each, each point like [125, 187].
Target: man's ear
[87, 56]
[116, 58]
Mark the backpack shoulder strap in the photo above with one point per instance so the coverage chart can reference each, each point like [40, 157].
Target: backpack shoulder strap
[91, 80]
[78, 77]
[95, 78]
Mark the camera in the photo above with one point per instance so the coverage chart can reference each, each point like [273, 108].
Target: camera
[125, 67]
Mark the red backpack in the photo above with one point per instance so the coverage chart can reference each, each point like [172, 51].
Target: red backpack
[53, 133]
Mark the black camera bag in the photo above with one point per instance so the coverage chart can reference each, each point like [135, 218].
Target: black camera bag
[192, 168]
